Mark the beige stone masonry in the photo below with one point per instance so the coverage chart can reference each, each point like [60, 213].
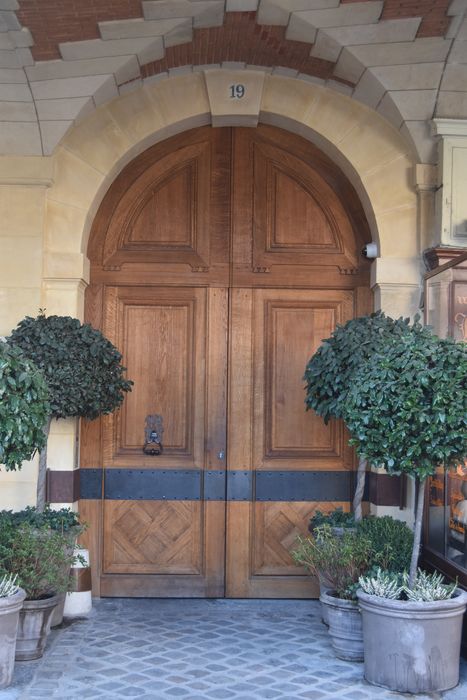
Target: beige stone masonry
[205, 13]
[71, 87]
[304, 25]
[382, 33]
[146, 49]
[52, 131]
[429, 50]
[234, 96]
[181, 34]
[22, 138]
[67, 108]
[123, 67]
[277, 12]
[418, 76]
[134, 28]
[241, 5]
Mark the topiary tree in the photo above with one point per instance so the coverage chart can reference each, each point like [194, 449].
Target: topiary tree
[23, 407]
[407, 411]
[82, 369]
[329, 374]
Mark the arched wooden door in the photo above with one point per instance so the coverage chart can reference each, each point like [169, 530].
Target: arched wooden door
[220, 258]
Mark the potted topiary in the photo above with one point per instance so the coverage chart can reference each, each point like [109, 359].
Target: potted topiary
[82, 369]
[40, 559]
[11, 602]
[407, 411]
[329, 374]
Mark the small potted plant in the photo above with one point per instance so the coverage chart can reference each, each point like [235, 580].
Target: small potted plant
[40, 558]
[340, 560]
[11, 602]
[64, 521]
[407, 412]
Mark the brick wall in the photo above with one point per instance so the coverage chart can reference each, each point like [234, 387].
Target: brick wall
[55, 21]
[241, 39]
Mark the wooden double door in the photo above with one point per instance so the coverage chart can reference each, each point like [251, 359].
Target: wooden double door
[220, 259]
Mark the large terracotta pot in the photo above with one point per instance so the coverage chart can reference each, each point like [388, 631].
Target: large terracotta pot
[412, 647]
[34, 627]
[9, 616]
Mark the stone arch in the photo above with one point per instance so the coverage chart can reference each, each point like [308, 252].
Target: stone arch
[373, 155]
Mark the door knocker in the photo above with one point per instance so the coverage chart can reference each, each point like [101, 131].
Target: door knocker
[153, 435]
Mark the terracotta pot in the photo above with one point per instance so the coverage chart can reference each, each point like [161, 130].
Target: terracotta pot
[9, 616]
[34, 627]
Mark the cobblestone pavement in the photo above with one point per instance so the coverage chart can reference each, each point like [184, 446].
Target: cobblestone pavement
[197, 650]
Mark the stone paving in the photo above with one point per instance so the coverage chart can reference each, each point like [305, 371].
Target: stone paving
[197, 650]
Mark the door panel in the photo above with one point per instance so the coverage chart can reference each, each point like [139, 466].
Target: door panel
[152, 526]
[299, 464]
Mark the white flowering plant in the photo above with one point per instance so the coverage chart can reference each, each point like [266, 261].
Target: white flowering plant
[427, 587]
[8, 585]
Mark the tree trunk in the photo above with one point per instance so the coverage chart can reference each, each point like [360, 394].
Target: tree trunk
[359, 489]
[417, 532]
[42, 473]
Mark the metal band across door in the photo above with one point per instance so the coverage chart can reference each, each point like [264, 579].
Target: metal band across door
[215, 485]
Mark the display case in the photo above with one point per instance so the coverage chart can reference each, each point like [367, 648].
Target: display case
[445, 533]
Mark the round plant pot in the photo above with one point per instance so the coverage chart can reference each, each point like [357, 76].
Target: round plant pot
[412, 647]
[324, 587]
[345, 626]
[9, 616]
[34, 627]
[57, 614]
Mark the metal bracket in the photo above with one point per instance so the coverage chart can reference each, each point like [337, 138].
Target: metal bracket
[90, 484]
[239, 485]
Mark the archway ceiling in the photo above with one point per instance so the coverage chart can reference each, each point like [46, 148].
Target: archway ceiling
[59, 59]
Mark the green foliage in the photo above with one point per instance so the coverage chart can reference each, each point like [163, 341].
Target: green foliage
[334, 518]
[391, 542]
[62, 520]
[23, 407]
[407, 408]
[340, 559]
[329, 374]
[82, 368]
[38, 556]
